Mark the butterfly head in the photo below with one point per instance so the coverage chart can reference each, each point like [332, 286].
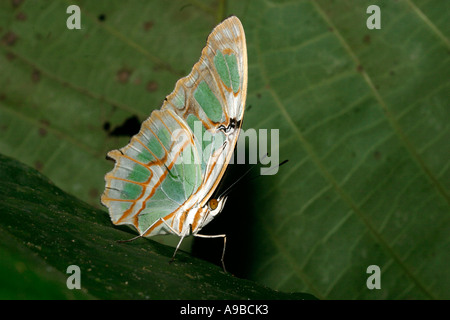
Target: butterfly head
[215, 206]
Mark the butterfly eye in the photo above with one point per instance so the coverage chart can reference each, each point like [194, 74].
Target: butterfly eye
[212, 204]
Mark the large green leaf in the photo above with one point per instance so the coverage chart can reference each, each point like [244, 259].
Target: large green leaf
[363, 119]
[44, 231]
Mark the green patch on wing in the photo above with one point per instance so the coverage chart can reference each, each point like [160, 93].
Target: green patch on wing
[158, 206]
[139, 173]
[228, 70]
[130, 191]
[189, 171]
[155, 146]
[165, 137]
[208, 102]
[199, 131]
[145, 156]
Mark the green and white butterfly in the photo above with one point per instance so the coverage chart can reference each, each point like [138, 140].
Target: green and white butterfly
[164, 179]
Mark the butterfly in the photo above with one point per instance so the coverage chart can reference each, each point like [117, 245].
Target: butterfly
[163, 181]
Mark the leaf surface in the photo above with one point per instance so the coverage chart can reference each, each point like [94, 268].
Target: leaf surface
[44, 231]
[362, 117]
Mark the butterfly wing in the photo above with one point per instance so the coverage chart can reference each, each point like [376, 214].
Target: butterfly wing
[182, 150]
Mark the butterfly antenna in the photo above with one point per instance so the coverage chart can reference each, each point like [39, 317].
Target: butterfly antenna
[228, 190]
[273, 168]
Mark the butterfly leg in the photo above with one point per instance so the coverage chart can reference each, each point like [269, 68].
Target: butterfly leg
[174, 232]
[176, 249]
[129, 240]
[170, 227]
[224, 236]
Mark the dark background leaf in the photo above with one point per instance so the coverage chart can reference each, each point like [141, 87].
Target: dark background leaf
[363, 119]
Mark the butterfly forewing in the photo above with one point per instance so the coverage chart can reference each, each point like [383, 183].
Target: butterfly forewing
[182, 150]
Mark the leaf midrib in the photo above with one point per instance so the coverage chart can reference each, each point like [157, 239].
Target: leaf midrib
[429, 24]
